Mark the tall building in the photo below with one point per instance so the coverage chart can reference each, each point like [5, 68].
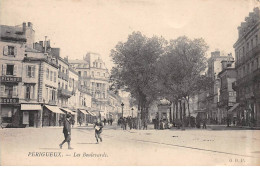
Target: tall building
[214, 67]
[247, 86]
[94, 76]
[227, 97]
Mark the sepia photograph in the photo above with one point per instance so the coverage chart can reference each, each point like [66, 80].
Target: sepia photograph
[130, 83]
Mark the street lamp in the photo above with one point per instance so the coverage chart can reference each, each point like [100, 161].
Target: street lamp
[132, 112]
[122, 104]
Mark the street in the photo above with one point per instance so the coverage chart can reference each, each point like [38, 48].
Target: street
[32, 146]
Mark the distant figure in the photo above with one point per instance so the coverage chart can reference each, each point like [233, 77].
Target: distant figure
[98, 130]
[80, 122]
[60, 122]
[204, 123]
[67, 131]
[105, 120]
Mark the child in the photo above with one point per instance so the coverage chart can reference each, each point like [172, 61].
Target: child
[98, 130]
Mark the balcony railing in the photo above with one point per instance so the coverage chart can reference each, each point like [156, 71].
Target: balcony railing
[63, 76]
[83, 89]
[64, 92]
[52, 102]
[248, 55]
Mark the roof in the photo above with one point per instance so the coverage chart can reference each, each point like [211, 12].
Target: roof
[12, 33]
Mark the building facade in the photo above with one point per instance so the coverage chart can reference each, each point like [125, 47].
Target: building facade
[214, 67]
[247, 85]
[227, 98]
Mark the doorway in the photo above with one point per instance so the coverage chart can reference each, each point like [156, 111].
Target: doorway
[31, 119]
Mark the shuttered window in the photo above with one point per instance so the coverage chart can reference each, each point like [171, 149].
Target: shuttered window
[30, 71]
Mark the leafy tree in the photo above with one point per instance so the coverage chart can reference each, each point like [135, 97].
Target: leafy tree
[135, 62]
[181, 68]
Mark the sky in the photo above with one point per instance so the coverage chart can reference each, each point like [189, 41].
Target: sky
[81, 26]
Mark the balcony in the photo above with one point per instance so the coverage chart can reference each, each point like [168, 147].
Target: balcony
[248, 55]
[84, 89]
[63, 76]
[52, 102]
[64, 93]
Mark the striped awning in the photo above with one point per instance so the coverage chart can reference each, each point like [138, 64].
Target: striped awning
[54, 109]
[31, 107]
[67, 110]
[83, 111]
[234, 107]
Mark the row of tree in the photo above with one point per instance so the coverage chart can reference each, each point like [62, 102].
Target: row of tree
[154, 68]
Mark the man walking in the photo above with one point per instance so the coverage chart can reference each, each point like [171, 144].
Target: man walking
[98, 130]
[67, 131]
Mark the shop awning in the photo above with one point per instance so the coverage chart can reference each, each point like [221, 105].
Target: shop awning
[31, 107]
[54, 109]
[234, 107]
[83, 111]
[93, 114]
[68, 110]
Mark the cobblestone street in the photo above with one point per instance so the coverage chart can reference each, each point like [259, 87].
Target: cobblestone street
[32, 146]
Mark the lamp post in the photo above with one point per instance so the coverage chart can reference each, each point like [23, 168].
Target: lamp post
[122, 104]
[132, 112]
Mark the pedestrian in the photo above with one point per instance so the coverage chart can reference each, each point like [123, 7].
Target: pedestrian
[67, 131]
[80, 122]
[98, 130]
[204, 123]
[105, 120]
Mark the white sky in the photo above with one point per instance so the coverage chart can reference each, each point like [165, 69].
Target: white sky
[78, 26]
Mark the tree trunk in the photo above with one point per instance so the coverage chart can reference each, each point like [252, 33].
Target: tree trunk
[171, 112]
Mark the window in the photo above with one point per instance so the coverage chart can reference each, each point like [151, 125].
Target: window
[104, 74]
[47, 93]
[92, 73]
[28, 92]
[47, 73]
[11, 50]
[66, 87]
[9, 69]
[53, 94]
[98, 73]
[30, 71]
[94, 64]
[51, 76]
[9, 90]
[79, 73]
[85, 73]
[55, 76]
[70, 81]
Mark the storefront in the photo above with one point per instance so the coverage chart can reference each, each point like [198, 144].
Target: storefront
[31, 115]
[52, 116]
[74, 115]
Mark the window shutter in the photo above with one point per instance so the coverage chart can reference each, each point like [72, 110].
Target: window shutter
[33, 71]
[15, 51]
[15, 90]
[27, 73]
[2, 91]
[15, 70]
[3, 69]
[31, 92]
[5, 50]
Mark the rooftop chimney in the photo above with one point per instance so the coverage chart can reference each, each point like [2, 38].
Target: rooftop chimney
[24, 27]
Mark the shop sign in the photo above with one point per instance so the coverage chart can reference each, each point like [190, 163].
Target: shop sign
[10, 79]
[9, 100]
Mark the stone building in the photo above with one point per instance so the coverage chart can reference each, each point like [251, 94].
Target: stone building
[94, 78]
[214, 67]
[247, 85]
[227, 97]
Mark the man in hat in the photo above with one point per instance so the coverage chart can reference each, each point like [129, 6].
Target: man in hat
[67, 131]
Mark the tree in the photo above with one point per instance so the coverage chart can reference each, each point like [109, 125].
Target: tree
[182, 67]
[135, 61]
